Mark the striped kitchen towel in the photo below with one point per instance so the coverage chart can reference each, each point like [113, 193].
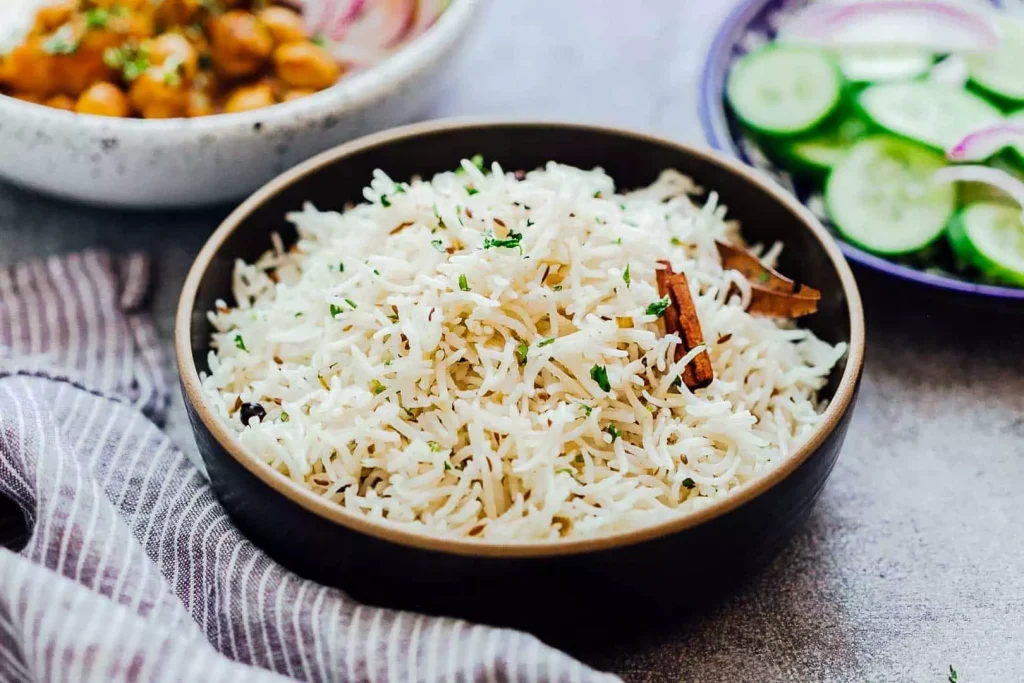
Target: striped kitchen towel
[116, 561]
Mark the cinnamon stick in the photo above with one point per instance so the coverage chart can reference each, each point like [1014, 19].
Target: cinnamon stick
[681, 319]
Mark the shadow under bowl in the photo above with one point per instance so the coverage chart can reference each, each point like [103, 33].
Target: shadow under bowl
[544, 586]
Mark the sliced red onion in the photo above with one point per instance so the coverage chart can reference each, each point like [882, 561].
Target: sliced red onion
[983, 143]
[346, 14]
[380, 24]
[926, 24]
[986, 175]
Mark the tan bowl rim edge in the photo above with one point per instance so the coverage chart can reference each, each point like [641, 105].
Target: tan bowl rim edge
[394, 533]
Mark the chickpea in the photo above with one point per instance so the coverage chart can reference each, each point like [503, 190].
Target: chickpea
[174, 46]
[61, 102]
[239, 43]
[177, 12]
[199, 104]
[49, 17]
[158, 96]
[30, 71]
[284, 25]
[104, 99]
[305, 65]
[249, 97]
[297, 93]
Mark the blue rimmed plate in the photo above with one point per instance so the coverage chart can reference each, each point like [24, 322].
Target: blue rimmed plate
[753, 23]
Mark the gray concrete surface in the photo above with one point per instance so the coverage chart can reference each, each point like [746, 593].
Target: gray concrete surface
[913, 560]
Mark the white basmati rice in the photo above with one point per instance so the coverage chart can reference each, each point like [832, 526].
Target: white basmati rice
[414, 369]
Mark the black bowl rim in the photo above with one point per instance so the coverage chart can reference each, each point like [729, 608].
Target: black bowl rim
[394, 533]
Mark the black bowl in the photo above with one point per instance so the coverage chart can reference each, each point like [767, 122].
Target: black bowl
[547, 585]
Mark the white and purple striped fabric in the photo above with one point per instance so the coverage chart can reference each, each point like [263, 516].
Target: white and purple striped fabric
[126, 568]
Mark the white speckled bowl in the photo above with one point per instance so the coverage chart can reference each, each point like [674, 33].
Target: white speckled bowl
[135, 163]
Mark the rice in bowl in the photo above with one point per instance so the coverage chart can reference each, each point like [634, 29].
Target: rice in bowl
[482, 355]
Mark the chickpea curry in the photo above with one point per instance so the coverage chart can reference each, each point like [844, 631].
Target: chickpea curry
[166, 58]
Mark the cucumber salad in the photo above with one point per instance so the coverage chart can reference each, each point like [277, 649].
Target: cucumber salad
[907, 118]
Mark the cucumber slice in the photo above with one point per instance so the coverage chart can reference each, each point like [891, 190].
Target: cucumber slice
[882, 198]
[872, 66]
[990, 237]
[820, 152]
[783, 90]
[1001, 72]
[931, 113]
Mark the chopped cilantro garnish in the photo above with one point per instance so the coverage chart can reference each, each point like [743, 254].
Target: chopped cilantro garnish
[437, 215]
[676, 242]
[587, 410]
[546, 342]
[599, 374]
[131, 59]
[557, 288]
[399, 189]
[63, 42]
[285, 417]
[614, 432]
[478, 161]
[96, 17]
[439, 245]
[172, 68]
[764, 276]
[658, 307]
[384, 201]
[625, 276]
[335, 310]
[954, 677]
[240, 343]
[597, 195]
[689, 483]
[470, 190]
[678, 382]
[521, 352]
[447, 467]
[618, 241]
[319, 40]
[435, 447]
[513, 241]
[351, 303]
[376, 387]
[529, 222]
[463, 283]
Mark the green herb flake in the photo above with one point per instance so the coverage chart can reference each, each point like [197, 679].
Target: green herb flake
[351, 303]
[478, 161]
[565, 470]
[376, 387]
[521, 352]
[676, 242]
[63, 42]
[658, 307]
[625, 276]
[546, 342]
[435, 447]
[341, 267]
[335, 310]
[578, 460]
[470, 190]
[597, 195]
[384, 201]
[173, 68]
[618, 241]
[587, 410]
[463, 283]
[299, 314]
[557, 288]
[529, 222]
[678, 382]
[285, 417]
[319, 40]
[614, 432]
[954, 677]
[764, 276]
[96, 17]
[689, 483]
[439, 245]
[513, 241]
[447, 467]
[398, 189]
[240, 343]
[599, 374]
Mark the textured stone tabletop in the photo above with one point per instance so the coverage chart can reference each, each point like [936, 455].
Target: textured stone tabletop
[913, 560]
